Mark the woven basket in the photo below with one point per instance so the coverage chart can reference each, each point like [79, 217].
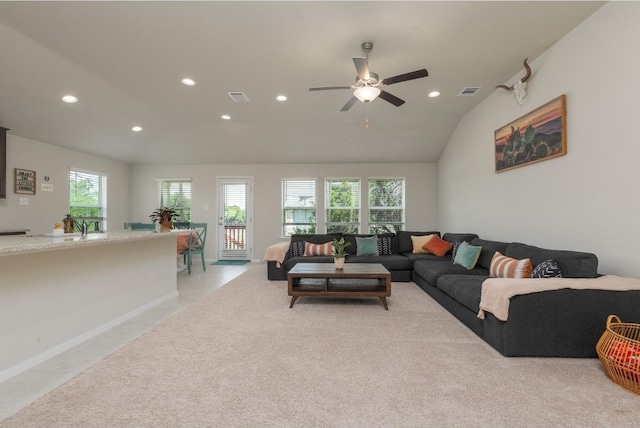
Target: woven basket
[619, 353]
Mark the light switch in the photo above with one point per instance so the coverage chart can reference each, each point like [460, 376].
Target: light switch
[24, 201]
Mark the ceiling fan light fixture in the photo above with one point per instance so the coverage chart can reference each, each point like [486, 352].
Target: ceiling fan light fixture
[367, 94]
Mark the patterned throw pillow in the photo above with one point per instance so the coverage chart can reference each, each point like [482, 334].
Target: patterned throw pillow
[325, 249]
[437, 246]
[467, 255]
[506, 267]
[454, 250]
[418, 242]
[547, 269]
[297, 248]
[384, 246]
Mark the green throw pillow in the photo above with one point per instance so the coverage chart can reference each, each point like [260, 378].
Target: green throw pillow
[367, 246]
[467, 255]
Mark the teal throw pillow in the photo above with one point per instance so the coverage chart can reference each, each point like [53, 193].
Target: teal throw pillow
[367, 246]
[467, 255]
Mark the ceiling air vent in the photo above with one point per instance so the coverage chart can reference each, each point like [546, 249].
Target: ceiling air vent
[239, 97]
[469, 91]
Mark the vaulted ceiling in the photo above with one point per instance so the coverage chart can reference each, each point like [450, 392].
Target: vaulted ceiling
[124, 61]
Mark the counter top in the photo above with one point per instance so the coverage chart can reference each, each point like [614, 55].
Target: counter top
[18, 244]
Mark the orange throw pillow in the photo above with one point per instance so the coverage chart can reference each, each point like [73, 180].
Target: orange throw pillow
[437, 246]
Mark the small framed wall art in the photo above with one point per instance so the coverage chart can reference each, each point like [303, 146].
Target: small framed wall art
[537, 136]
[25, 182]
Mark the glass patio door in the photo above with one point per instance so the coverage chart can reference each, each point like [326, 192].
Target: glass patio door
[235, 218]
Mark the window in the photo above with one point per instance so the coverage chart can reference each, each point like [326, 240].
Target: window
[342, 202]
[386, 205]
[298, 207]
[176, 194]
[88, 198]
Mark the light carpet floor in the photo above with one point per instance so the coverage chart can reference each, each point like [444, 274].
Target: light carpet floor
[241, 357]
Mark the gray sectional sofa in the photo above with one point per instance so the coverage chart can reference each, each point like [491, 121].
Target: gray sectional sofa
[559, 323]
[399, 263]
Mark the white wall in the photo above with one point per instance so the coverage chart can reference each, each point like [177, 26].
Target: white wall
[47, 208]
[421, 191]
[585, 200]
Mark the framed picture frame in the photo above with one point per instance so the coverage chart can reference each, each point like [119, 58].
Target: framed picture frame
[535, 137]
[25, 182]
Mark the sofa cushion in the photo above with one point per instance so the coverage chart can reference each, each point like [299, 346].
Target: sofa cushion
[489, 248]
[425, 256]
[438, 246]
[405, 245]
[391, 262]
[546, 269]
[573, 264]
[465, 289]
[367, 246]
[453, 237]
[506, 267]
[467, 255]
[325, 249]
[431, 270]
[316, 239]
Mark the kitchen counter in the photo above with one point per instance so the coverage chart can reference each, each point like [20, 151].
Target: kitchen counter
[57, 292]
[18, 244]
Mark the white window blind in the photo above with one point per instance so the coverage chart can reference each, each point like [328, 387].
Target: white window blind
[176, 194]
[342, 204]
[298, 207]
[87, 198]
[386, 205]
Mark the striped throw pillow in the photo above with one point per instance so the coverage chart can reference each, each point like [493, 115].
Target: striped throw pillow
[506, 267]
[325, 249]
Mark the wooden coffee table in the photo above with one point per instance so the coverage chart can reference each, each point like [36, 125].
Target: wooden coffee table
[324, 280]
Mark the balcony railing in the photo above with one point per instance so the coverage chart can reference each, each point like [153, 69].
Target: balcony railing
[235, 237]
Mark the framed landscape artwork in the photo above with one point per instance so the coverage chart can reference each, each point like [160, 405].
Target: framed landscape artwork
[534, 137]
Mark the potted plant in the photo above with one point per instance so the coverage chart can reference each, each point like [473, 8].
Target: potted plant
[164, 216]
[339, 253]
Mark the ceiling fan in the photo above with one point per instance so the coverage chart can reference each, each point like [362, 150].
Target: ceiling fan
[367, 87]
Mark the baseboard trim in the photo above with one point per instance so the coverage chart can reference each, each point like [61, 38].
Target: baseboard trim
[65, 346]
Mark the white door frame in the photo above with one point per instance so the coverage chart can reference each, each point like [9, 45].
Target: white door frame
[227, 254]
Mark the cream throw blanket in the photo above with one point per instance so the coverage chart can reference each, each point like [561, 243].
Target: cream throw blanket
[496, 292]
[276, 252]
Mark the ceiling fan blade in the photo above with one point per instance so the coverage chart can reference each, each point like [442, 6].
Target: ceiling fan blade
[391, 98]
[363, 68]
[404, 77]
[349, 103]
[328, 88]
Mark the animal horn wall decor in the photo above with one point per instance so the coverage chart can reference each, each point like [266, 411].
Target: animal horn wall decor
[520, 86]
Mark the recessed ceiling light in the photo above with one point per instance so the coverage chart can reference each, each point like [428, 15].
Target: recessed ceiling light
[136, 128]
[433, 94]
[69, 99]
[281, 98]
[188, 82]
[225, 117]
